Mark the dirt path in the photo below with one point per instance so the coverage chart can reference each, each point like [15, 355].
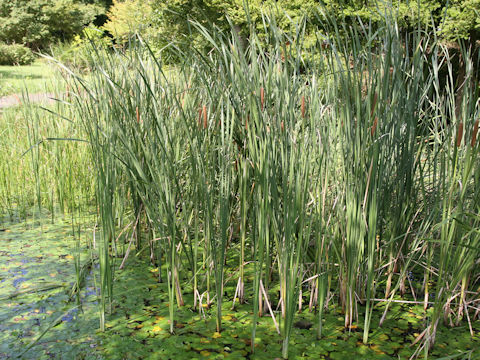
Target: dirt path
[16, 99]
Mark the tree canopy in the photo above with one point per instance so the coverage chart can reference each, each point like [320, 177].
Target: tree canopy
[168, 20]
[38, 23]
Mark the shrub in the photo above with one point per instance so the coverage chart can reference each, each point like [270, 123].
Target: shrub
[75, 53]
[15, 54]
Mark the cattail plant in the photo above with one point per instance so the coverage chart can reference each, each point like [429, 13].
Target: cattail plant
[339, 174]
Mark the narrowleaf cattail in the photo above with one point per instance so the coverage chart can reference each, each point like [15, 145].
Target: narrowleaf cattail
[262, 97]
[281, 125]
[374, 126]
[17, 98]
[374, 104]
[246, 122]
[303, 107]
[138, 115]
[200, 111]
[474, 135]
[204, 110]
[459, 134]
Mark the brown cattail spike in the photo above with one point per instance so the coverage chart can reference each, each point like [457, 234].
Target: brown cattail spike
[200, 111]
[204, 110]
[374, 104]
[374, 126]
[282, 126]
[138, 115]
[459, 134]
[474, 134]
[17, 98]
[262, 97]
[303, 107]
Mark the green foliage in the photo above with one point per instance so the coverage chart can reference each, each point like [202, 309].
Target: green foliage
[127, 17]
[463, 20]
[74, 53]
[169, 23]
[220, 13]
[38, 23]
[15, 54]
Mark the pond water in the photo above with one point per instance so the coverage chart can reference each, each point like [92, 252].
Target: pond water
[37, 273]
[37, 263]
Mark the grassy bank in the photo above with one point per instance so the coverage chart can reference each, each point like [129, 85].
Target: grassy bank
[37, 78]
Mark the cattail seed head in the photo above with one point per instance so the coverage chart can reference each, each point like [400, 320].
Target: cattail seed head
[282, 126]
[200, 111]
[474, 134]
[204, 110]
[138, 115]
[374, 126]
[19, 101]
[303, 107]
[262, 97]
[374, 104]
[459, 134]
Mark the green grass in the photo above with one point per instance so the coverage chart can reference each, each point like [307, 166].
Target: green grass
[36, 78]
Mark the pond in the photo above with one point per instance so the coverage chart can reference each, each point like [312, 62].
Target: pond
[38, 271]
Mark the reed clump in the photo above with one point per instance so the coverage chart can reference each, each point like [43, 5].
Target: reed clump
[335, 203]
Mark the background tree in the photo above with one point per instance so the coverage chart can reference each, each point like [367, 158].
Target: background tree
[38, 23]
[127, 17]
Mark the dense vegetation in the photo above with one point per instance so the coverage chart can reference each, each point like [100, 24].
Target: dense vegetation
[316, 162]
[350, 179]
[41, 24]
[166, 23]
